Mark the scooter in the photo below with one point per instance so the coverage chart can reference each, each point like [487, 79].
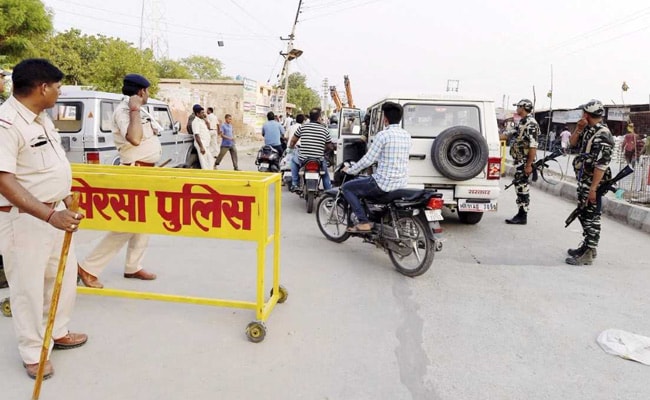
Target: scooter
[285, 168]
[406, 224]
[268, 159]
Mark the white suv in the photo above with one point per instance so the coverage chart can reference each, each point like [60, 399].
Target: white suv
[455, 150]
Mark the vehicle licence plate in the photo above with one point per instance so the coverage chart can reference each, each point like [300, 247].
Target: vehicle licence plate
[311, 175]
[433, 215]
[476, 205]
[264, 165]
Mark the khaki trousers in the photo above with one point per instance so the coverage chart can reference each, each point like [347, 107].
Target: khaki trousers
[31, 250]
[108, 247]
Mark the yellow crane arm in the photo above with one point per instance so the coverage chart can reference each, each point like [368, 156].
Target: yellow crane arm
[335, 97]
[348, 91]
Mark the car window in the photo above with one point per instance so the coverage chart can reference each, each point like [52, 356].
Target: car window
[106, 110]
[161, 114]
[67, 116]
[428, 120]
[350, 123]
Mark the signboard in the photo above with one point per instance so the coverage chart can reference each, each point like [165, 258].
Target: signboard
[249, 101]
[618, 114]
[172, 201]
[566, 117]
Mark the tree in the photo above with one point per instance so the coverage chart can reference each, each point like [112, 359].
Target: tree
[172, 69]
[298, 93]
[118, 58]
[203, 67]
[73, 52]
[22, 23]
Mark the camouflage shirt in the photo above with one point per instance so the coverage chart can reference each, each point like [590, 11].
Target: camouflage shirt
[524, 138]
[596, 146]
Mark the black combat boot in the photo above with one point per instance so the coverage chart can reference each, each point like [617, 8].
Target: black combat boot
[580, 250]
[520, 219]
[584, 257]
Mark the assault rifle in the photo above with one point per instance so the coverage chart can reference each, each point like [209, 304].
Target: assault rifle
[603, 188]
[537, 165]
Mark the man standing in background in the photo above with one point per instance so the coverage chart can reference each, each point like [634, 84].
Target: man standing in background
[228, 142]
[213, 127]
[202, 137]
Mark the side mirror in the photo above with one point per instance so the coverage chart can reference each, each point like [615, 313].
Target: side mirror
[176, 127]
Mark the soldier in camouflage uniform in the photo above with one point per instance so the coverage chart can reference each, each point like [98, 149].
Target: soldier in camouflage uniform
[523, 150]
[591, 167]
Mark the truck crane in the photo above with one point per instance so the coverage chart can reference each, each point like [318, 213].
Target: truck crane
[348, 91]
[336, 98]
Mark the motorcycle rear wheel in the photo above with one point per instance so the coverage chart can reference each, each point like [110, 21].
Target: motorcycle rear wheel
[332, 219]
[415, 242]
[309, 198]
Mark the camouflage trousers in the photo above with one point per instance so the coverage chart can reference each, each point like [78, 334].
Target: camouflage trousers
[522, 190]
[589, 216]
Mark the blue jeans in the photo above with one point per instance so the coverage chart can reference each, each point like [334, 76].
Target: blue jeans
[296, 163]
[360, 187]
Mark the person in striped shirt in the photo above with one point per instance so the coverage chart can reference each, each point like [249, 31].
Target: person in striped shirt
[313, 137]
[390, 150]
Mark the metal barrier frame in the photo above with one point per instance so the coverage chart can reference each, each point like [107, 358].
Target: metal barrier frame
[255, 183]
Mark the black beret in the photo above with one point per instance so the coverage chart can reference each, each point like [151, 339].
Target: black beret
[135, 80]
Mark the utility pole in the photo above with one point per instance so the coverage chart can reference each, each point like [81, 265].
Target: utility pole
[291, 54]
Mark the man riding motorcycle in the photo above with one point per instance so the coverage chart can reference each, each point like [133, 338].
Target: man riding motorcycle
[314, 137]
[390, 150]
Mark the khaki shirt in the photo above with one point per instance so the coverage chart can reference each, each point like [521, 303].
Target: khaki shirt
[30, 148]
[200, 128]
[149, 149]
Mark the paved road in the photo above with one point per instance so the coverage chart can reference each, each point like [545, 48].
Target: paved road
[498, 316]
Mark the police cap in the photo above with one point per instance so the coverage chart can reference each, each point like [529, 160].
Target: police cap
[136, 81]
[526, 104]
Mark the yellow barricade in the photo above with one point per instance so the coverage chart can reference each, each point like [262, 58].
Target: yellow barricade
[183, 202]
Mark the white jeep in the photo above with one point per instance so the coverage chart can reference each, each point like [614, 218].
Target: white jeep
[455, 150]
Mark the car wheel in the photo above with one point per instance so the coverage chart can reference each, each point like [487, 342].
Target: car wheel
[459, 153]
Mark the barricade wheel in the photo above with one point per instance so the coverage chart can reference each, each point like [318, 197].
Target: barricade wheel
[284, 293]
[256, 331]
[5, 306]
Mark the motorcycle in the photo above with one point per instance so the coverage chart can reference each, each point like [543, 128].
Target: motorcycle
[285, 168]
[406, 224]
[268, 159]
[311, 176]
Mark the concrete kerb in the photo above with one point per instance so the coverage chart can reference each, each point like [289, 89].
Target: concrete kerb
[630, 214]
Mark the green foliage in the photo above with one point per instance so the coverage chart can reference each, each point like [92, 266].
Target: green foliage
[304, 97]
[172, 69]
[118, 58]
[23, 23]
[203, 67]
[73, 52]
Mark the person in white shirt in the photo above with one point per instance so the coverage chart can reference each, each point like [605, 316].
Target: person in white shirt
[202, 138]
[564, 138]
[213, 127]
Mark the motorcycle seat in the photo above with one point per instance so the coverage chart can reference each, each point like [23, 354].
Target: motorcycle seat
[401, 194]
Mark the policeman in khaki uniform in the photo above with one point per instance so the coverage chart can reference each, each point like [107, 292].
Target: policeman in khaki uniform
[591, 167]
[35, 180]
[523, 151]
[138, 146]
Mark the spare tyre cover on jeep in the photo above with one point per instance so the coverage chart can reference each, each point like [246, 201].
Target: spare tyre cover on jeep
[459, 153]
